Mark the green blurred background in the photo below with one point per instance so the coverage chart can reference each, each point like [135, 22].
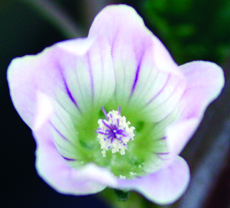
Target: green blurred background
[190, 29]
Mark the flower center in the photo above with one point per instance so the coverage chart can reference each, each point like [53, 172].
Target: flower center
[114, 132]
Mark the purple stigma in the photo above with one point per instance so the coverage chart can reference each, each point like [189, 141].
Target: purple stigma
[119, 110]
[104, 111]
[114, 132]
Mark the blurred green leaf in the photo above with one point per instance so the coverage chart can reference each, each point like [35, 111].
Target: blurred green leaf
[191, 29]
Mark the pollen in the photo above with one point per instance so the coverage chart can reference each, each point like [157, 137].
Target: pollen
[114, 132]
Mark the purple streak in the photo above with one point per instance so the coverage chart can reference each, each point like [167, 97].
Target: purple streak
[58, 132]
[91, 76]
[68, 90]
[163, 138]
[160, 91]
[68, 159]
[136, 79]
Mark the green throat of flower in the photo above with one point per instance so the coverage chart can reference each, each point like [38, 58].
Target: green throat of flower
[124, 140]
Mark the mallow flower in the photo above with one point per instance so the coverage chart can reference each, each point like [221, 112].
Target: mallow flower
[113, 109]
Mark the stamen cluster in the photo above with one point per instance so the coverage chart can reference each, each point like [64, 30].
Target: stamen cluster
[114, 132]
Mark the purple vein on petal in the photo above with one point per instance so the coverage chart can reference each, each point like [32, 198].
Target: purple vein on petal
[68, 90]
[172, 94]
[58, 131]
[102, 73]
[113, 45]
[136, 75]
[160, 91]
[91, 76]
[163, 138]
[68, 159]
[136, 79]
[64, 108]
[163, 155]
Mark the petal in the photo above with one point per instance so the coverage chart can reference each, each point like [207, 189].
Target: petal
[136, 52]
[77, 74]
[164, 186]
[58, 84]
[44, 109]
[52, 167]
[92, 82]
[205, 81]
[146, 75]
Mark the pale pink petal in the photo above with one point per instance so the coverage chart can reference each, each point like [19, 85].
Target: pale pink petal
[53, 168]
[135, 50]
[76, 74]
[52, 88]
[205, 81]
[120, 58]
[44, 109]
[164, 186]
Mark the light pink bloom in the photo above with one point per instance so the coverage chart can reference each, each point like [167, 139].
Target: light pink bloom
[61, 90]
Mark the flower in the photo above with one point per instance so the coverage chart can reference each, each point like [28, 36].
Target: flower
[113, 109]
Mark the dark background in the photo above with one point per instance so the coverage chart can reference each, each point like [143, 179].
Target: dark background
[191, 30]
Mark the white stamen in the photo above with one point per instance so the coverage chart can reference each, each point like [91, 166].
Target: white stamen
[114, 133]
